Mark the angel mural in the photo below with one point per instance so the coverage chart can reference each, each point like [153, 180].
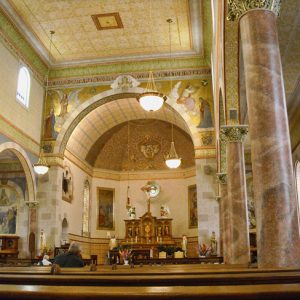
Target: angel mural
[195, 107]
[67, 103]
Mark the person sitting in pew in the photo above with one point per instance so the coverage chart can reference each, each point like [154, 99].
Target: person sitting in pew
[45, 261]
[71, 259]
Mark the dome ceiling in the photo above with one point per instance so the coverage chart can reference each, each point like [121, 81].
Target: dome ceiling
[108, 116]
[140, 145]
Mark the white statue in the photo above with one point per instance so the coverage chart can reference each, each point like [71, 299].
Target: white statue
[164, 211]
[184, 245]
[42, 241]
[113, 243]
[131, 213]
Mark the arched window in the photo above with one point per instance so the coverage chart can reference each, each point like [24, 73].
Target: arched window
[86, 209]
[298, 181]
[23, 88]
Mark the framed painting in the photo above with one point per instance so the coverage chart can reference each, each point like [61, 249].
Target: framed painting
[193, 209]
[105, 219]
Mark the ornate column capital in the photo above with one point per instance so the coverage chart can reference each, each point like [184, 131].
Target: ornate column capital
[236, 8]
[218, 198]
[233, 133]
[222, 178]
[32, 204]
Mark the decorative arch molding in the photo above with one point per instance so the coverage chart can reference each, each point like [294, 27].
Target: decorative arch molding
[100, 99]
[26, 164]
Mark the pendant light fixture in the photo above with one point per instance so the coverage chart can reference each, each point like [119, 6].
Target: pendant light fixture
[41, 167]
[151, 99]
[172, 159]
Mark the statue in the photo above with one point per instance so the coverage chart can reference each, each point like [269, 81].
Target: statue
[42, 241]
[164, 211]
[184, 245]
[113, 243]
[166, 230]
[131, 213]
[213, 244]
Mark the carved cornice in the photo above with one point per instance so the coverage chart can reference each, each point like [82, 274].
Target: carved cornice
[103, 79]
[233, 134]
[222, 178]
[32, 204]
[205, 152]
[53, 160]
[236, 8]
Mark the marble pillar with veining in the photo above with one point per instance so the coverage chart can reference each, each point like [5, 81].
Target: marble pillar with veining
[238, 245]
[224, 216]
[273, 180]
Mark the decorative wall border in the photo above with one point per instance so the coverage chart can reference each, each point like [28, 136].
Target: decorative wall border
[105, 79]
[17, 135]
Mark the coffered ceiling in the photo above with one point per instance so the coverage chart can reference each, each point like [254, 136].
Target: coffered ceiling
[88, 31]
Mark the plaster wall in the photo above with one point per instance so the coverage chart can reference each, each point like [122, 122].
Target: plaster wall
[28, 120]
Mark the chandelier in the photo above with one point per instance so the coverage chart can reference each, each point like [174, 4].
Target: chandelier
[41, 167]
[172, 160]
[151, 99]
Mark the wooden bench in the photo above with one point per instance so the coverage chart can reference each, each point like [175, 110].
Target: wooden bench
[253, 292]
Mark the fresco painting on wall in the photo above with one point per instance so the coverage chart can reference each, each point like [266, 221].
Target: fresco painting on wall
[193, 209]
[194, 100]
[8, 210]
[105, 209]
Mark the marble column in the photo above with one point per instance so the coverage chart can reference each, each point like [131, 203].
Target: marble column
[224, 215]
[238, 245]
[273, 179]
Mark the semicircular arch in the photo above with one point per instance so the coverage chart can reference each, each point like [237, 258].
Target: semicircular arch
[26, 164]
[110, 96]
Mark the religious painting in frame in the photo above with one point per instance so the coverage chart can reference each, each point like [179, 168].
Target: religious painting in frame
[8, 210]
[193, 209]
[105, 213]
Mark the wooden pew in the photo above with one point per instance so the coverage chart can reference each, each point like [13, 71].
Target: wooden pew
[148, 276]
[253, 292]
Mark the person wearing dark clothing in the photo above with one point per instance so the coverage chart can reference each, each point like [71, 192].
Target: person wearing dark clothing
[71, 259]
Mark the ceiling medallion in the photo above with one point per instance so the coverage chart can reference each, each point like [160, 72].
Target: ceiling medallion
[107, 21]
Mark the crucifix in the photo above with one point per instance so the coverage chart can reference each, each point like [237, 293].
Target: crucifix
[151, 190]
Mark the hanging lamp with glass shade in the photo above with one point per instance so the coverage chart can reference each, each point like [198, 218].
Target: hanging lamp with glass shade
[151, 99]
[173, 161]
[41, 167]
